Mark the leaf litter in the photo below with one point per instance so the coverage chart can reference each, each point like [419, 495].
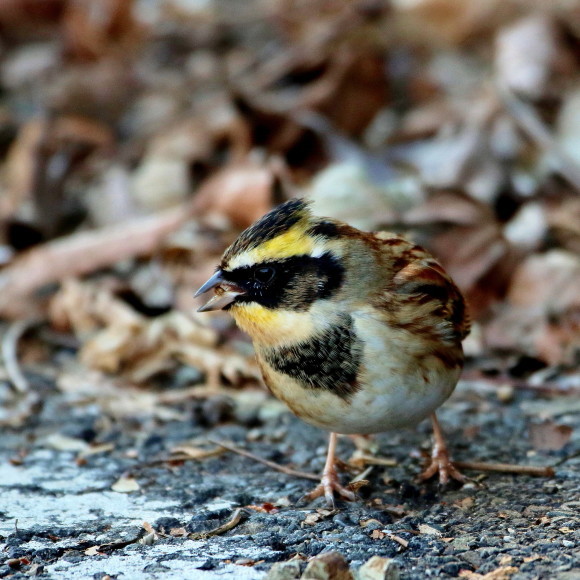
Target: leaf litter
[136, 142]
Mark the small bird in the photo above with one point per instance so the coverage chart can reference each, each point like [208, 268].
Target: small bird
[356, 332]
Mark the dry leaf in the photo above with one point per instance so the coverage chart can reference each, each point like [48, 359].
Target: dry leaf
[265, 508]
[527, 53]
[96, 449]
[311, 519]
[548, 436]
[541, 317]
[548, 282]
[196, 452]
[64, 443]
[126, 485]
[451, 23]
[465, 503]
[366, 523]
[117, 339]
[148, 527]
[241, 192]
[429, 530]
[111, 31]
[316, 516]
[93, 551]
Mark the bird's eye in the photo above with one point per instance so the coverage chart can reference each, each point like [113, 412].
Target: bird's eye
[264, 274]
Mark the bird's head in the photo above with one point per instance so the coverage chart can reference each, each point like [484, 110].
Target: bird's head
[284, 263]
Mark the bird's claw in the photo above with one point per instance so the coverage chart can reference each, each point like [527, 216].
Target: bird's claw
[440, 463]
[328, 486]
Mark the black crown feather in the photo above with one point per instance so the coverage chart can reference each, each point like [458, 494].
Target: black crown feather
[269, 226]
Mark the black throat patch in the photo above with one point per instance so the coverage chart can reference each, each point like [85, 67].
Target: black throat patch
[328, 362]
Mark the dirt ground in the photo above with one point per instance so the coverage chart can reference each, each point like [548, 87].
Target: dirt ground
[77, 486]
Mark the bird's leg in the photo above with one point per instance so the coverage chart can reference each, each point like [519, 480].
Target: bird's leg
[329, 482]
[440, 462]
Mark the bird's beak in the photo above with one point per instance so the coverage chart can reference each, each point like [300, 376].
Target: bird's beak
[225, 292]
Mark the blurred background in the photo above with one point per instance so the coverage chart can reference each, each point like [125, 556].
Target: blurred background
[138, 138]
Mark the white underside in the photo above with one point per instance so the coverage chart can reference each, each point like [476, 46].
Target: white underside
[400, 389]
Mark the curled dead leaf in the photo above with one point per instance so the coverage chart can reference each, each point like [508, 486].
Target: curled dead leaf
[126, 485]
[241, 192]
[549, 436]
[117, 339]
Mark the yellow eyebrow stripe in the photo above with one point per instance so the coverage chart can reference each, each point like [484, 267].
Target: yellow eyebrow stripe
[293, 242]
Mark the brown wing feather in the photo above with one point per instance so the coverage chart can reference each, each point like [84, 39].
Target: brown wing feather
[426, 298]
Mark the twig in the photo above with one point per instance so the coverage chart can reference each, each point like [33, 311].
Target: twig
[230, 524]
[271, 464]
[506, 468]
[397, 539]
[10, 354]
[366, 459]
[362, 476]
[179, 457]
[86, 252]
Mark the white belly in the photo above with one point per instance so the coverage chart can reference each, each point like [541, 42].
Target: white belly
[400, 388]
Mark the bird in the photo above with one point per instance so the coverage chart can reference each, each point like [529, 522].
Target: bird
[357, 332]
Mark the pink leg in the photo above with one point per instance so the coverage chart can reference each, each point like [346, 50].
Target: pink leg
[329, 482]
[440, 462]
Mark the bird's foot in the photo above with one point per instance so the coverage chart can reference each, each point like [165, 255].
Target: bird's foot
[328, 486]
[441, 463]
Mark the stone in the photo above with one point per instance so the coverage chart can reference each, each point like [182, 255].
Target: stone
[328, 566]
[378, 568]
[284, 571]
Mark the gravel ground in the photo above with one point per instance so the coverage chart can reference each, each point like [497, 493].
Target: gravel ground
[68, 509]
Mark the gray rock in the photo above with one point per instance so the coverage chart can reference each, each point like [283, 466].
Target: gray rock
[378, 568]
[284, 571]
[328, 566]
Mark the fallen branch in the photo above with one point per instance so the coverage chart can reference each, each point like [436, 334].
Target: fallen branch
[506, 468]
[85, 252]
[271, 464]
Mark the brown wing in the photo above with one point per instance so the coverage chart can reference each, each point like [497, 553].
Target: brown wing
[424, 296]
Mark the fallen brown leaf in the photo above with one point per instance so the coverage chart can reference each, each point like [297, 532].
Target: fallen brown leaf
[241, 192]
[548, 436]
